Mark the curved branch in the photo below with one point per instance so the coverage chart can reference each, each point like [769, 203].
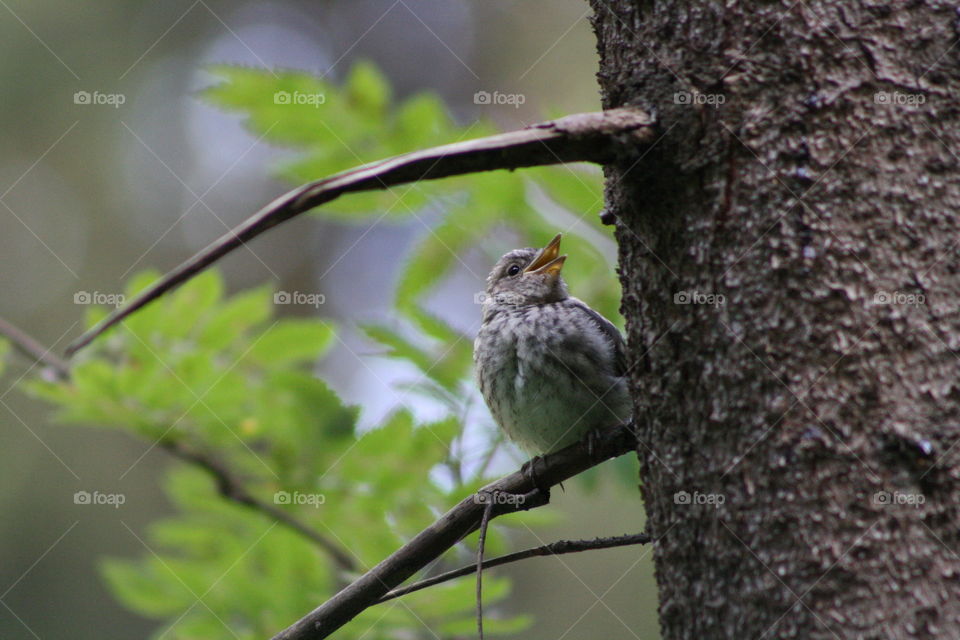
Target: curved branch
[461, 520]
[557, 548]
[600, 137]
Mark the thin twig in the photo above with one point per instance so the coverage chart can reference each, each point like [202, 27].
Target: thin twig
[481, 542]
[232, 489]
[553, 549]
[227, 483]
[603, 137]
[32, 349]
[461, 520]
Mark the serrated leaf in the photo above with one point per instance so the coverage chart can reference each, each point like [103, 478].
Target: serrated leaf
[291, 341]
[239, 314]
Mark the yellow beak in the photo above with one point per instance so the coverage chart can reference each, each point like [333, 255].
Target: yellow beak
[548, 261]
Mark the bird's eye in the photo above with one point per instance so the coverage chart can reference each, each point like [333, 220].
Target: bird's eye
[513, 270]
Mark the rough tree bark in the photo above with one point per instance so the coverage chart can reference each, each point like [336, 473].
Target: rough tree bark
[820, 400]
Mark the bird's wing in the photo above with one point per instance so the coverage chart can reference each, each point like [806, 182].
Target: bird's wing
[619, 348]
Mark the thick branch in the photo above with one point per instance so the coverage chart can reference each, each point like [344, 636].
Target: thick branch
[553, 549]
[229, 485]
[600, 137]
[452, 527]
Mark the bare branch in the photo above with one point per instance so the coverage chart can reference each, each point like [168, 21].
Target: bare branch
[557, 548]
[452, 527]
[32, 349]
[600, 137]
[228, 484]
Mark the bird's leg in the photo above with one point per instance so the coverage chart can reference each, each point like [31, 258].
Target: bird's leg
[594, 438]
[529, 470]
[592, 441]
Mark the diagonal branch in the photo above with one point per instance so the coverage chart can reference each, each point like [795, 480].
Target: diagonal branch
[453, 526]
[601, 137]
[557, 548]
[229, 486]
[32, 349]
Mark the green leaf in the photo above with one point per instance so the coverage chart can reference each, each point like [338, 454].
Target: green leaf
[4, 350]
[238, 315]
[291, 341]
[367, 89]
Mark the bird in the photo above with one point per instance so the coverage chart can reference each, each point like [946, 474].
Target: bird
[551, 369]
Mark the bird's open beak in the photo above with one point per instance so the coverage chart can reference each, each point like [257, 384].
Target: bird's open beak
[548, 261]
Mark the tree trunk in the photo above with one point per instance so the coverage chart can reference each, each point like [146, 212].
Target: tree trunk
[790, 272]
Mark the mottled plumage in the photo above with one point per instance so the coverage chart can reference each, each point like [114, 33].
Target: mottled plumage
[550, 368]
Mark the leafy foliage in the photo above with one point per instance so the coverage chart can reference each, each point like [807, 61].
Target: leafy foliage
[223, 377]
[250, 402]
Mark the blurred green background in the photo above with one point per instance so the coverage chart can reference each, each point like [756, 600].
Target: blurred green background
[92, 193]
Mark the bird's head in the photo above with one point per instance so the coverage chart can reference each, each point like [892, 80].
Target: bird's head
[528, 276]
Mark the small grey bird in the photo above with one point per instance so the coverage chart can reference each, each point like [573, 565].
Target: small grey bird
[550, 368]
